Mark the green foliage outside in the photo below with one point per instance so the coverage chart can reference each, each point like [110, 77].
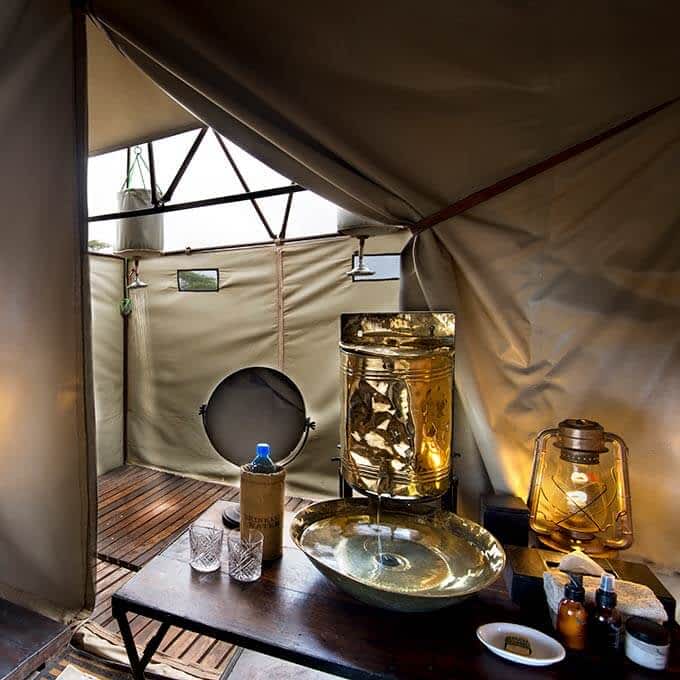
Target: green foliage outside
[197, 280]
[94, 244]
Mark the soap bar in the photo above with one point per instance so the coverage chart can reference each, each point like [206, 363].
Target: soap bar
[517, 645]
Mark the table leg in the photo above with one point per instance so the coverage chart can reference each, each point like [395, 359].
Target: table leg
[138, 665]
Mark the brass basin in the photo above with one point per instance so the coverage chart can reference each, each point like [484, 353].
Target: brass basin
[407, 562]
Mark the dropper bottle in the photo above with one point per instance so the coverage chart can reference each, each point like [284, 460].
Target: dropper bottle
[605, 625]
[572, 618]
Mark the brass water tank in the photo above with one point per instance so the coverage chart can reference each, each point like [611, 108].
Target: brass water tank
[397, 413]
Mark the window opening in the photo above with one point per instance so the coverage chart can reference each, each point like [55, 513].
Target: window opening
[198, 280]
[243, 198]
[384, 267]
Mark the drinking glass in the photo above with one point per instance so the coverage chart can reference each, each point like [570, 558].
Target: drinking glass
[245, 554]
[206, 547]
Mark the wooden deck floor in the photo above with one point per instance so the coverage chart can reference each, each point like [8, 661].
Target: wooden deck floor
[141, 511]
[187, 647]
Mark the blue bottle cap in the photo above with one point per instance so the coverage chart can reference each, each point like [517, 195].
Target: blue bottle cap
[262, 450]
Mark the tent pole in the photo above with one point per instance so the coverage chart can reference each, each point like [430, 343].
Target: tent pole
[126, 325]
[234, 198]
[167, 196]
[127, 169]
[487, 193]
[286, 215]
[152, 175]
[244, 185]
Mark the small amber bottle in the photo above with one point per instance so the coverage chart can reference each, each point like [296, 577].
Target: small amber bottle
[572, 617]
[605, 625]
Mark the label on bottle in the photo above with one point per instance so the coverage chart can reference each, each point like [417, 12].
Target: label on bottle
[261, 523]
[605, 634]
[650, 656]
[613, 637]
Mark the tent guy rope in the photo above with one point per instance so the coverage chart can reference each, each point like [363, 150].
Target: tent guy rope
[489, 192]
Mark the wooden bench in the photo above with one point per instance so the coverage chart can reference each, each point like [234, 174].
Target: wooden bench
[27, 640]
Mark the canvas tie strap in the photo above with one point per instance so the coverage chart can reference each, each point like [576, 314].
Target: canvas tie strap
[503, 185]
[280, 329]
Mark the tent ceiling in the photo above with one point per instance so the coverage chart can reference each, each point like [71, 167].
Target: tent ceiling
[125, 106]
[396, 114]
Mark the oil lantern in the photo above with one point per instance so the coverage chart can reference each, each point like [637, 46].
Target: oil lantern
[579, 495]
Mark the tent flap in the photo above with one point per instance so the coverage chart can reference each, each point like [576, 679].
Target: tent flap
[391, 122]
[125, 107]
[46, 479]
[568, 304]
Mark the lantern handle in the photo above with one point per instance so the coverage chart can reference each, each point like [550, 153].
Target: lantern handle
[539, 450]
[624, 455]
[611, 437]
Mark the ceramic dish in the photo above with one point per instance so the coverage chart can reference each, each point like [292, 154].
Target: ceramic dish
[544, 649]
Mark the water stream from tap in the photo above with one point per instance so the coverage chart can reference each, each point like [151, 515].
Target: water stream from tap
[393, 549]
[378, 503]
[383, 557]
[141, 356]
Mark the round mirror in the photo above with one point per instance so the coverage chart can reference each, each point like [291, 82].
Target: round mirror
[253, 405]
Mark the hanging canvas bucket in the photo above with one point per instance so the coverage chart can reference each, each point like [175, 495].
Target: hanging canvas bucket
[140, 236]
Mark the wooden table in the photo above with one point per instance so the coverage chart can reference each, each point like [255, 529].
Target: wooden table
[294, 613]
[27, 640]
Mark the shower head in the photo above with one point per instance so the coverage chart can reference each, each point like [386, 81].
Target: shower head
[137, 283]
[360, 269]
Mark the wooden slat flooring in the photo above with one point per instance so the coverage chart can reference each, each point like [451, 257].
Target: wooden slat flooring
[83, 662]
[179, 644]
[141, 511]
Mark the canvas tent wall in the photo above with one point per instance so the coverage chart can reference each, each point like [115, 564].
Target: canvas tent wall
[569, 289]
[107, 277]
[47, 502]
[396, 123]
[276, 306]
